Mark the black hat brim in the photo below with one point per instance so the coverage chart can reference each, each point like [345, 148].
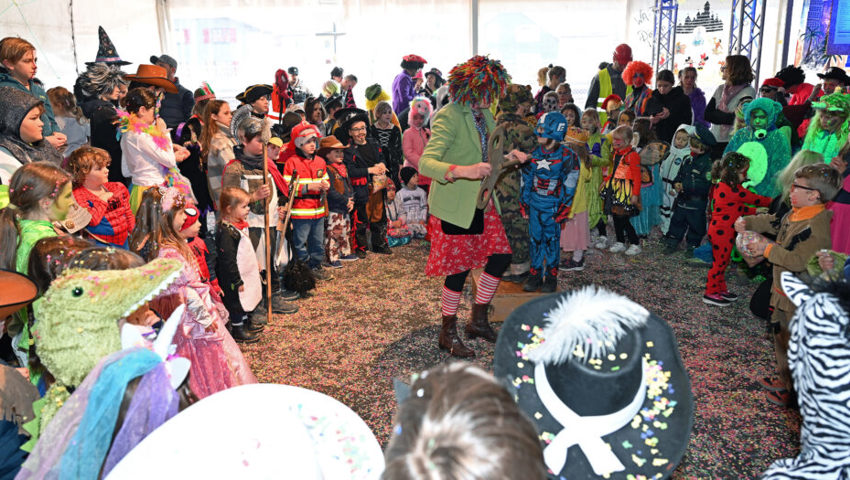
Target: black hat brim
[626, 443]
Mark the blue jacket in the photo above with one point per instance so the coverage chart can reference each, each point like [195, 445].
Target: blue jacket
[177, 107]
[50, 125]
[549, 180]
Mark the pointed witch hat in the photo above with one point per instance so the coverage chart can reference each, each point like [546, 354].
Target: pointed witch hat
[106, 52]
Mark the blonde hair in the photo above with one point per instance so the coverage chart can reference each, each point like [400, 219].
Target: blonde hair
[786, 175]
[823, 178]
[230, 198]
[592, 114]
[64, 101]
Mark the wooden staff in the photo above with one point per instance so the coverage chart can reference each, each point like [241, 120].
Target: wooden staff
[268, 237]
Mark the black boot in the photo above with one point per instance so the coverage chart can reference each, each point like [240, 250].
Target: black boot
[243, 336]
[252, 326]
[533, 282]
[479, 325]
[449, 340]
[551, 282]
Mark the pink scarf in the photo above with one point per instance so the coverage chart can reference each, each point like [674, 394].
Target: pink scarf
[729, 92]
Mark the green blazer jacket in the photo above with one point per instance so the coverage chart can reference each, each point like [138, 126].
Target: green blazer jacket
[454, 141]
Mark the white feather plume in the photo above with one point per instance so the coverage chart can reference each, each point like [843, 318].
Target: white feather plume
[590, 321]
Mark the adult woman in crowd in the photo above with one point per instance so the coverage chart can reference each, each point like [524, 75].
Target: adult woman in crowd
[688, 82]
[737, 75]
[675, 106]
[217, 143]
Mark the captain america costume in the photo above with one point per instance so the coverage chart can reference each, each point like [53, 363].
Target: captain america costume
[549, 184]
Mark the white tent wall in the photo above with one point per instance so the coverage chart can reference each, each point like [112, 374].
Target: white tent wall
[132, 26]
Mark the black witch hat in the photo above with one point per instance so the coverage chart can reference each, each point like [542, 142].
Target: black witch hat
[106, 52]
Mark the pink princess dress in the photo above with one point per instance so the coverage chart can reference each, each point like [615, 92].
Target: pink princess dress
[217, 362]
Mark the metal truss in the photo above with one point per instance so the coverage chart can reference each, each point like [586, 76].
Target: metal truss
[747, 30]
[664, 34]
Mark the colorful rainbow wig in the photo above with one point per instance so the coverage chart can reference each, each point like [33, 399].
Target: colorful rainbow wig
[478, 80]
[637, 67]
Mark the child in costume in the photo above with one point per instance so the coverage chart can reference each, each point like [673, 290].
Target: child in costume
[398, 232]
[548, 189]
[828, 131]
[308, 210]
[412, 203]
[626, 118]
[388, 138]
[800, 234]
[649, 149]
[679, 150]
[416, 137]
[575, 231]
[621, 190]
[768, 149]
[639, 100]
[612, 105]
[236, 266]
[246, 172]
[573, 115]
[599, 150]
[693, 183]
[39, 194]
[514, 118]
[147, 155]
[549, 103]
[112, 220]
[730, 200]
[340, 203]
[217, 362]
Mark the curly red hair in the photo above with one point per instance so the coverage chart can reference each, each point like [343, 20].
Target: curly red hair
[637, 67]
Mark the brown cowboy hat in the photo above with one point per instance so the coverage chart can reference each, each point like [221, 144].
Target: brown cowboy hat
[16, 292]
[329, 143]
[153, 75]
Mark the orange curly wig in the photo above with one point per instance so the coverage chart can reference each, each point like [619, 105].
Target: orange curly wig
[637, 67]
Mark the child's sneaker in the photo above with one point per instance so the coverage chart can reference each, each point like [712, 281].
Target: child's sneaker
[336, 264]
[729, 296]
[349, 258]
[617, 247]
[572, 266]
[715, 300]
[601, 242]
[633, 250]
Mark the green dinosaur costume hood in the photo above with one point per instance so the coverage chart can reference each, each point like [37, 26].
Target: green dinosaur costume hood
[77, 319]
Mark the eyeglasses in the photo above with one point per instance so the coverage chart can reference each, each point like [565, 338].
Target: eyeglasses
[794, 186]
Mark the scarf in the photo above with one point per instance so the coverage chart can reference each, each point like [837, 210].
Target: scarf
[252, 162]
[729, 92]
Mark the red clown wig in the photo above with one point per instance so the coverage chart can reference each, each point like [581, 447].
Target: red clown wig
[637, 67]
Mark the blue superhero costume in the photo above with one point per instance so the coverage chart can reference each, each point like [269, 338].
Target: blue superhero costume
[549, 183]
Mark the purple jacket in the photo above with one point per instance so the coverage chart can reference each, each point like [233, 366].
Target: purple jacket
[403, 92]
[698, 106]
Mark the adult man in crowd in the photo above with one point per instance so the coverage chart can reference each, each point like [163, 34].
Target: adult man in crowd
[296, 86]
[348, 83]
[609, 80]
[176, 108]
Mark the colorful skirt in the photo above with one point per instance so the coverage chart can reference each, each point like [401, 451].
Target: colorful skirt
[575, 234]
[650, 199]
[452, 254]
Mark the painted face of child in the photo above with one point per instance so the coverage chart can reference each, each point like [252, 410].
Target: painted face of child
[802, 195]
[334, 156]
[146, 115]
[192, 230]
[550, 104]
[97, 176]
[570, 115]
[758, 119]
[60, 206]
[638, 80]
[224, 115]
[24, 69]
[618, 142]
[681, 139]
[254, 146]
[830, 121]
[31, 126]
[358, 133]
[587, 124]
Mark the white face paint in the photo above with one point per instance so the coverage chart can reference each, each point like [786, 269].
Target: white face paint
[550, 104]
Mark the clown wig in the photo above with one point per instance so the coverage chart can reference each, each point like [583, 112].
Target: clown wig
[637, 67]
[816, 139]
[478, 80]
[422, 106]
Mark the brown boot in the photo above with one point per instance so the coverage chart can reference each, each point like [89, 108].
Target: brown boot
[478, 325]
[450, 341]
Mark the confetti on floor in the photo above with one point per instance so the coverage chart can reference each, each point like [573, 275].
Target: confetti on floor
[379, 319]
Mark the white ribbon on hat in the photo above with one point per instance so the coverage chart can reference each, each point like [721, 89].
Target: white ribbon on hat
[586, 432]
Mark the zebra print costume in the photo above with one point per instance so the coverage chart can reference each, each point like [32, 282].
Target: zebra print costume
[819, 356]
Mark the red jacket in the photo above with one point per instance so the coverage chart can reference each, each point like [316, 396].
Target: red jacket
[307, 204]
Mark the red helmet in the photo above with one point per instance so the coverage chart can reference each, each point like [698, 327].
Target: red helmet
[623, 54]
